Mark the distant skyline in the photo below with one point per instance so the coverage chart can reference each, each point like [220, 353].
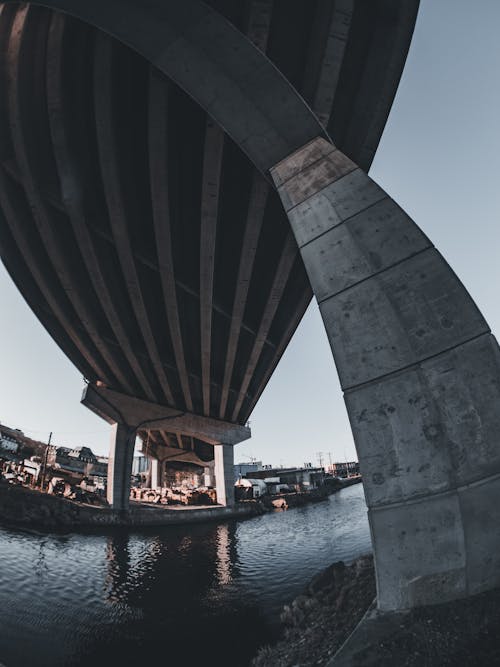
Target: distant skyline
[438, 158]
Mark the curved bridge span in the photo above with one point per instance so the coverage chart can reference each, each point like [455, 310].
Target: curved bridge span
[176, 181]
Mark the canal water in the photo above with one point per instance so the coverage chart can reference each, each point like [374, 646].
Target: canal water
[190, 595]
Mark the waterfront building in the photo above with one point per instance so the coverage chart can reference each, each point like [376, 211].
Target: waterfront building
[343, 469]
[77, 463]
[302, 479]
[140, 465]
[245, 469]
[8, 443]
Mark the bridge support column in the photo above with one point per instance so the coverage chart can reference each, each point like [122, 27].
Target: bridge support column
[224, 474]
[421, 376]
[121, 455]
[154, 473]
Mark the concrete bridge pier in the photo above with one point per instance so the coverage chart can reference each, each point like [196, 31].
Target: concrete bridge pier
[421, 377]
[121, 456]
[224, 474]
[154, 472]
[121, 410]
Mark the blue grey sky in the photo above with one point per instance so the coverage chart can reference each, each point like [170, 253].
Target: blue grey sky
[438, 158]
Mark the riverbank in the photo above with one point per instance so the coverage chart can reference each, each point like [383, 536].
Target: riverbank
[322, 627]
[317, 622]
[20, 506]
[23, 506]
[299, 499]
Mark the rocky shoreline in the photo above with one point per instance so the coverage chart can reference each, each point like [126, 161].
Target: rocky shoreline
[318, 623]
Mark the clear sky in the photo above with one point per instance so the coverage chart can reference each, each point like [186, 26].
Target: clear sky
[438, 158]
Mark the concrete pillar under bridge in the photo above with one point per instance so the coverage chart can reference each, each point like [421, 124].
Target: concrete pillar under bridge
[121, 411]
[421, 376]
[224, 474]
[154, 473]
[121, 456]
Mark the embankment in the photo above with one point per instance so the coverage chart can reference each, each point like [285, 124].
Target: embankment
[26, 507]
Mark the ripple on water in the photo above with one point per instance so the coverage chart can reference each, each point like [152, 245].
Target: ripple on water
[121, 597]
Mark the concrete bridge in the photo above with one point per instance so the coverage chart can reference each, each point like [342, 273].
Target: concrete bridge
[177, 179]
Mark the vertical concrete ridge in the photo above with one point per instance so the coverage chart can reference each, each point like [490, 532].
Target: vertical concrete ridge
[158, 152]
[258, 200]
[72, 191]
[210, 190]
[281, 276]
[18, 59]
[114, 193]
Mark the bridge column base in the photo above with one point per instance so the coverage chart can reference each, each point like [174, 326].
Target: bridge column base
[224, 474]
[121, 456]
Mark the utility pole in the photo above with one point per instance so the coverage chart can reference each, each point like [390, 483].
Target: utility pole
[44, 465]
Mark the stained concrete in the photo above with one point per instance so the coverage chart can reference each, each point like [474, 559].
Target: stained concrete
[224, 474]
[121, 456]
[421, 376]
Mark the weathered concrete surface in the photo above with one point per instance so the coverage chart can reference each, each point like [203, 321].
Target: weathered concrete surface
[224, 474]
[121, 456]
[421, 375]
[113, 406]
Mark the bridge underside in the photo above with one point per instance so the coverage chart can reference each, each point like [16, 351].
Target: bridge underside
[167, 206]
[148, 241]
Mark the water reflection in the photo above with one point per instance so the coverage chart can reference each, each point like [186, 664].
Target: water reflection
[224, 563]
[198, 593]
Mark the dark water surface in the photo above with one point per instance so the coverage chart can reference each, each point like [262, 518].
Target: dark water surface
[191, 595]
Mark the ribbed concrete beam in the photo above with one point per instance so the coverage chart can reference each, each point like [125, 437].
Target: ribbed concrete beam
[19, 110]
[115, 197]
[255, 218]
[70, 179]
[288, 256]
[329, 49]
[302, 302]
[421, 375]
[158, 157]
[210, 188]
[207, 57]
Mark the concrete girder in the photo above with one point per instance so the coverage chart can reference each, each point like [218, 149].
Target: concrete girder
[258, 200]
[333, 35]
[288, 256]
[207, 56]
[13, 213]
[69, 174]
[115, 197]
[302, 303]
[26, 157]
[158, 151]
[259, 24]
[421, 376]
[210, 189]
[114, 406]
